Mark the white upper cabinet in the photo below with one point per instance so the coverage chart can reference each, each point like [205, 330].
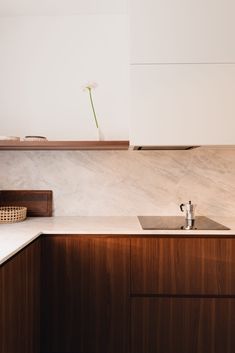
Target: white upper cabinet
[172, 31]
[61, 7]
[183, 104]
[182, 72]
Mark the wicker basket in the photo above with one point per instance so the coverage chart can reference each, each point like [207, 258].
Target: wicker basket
[11, 214]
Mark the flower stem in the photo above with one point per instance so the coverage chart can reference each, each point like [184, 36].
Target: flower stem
[93, 108]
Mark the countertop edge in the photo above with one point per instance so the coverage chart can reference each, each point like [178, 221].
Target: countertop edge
[10, 237]
[19, 248]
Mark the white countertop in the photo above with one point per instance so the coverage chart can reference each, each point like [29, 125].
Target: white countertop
[15, 236]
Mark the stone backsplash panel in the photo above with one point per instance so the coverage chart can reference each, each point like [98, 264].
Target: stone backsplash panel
[109, 183]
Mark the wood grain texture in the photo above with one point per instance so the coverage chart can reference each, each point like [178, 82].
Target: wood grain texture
[64, 145]
[183, 266]
[38, 202]
[174, 325]
[20, 302]
[85, 287]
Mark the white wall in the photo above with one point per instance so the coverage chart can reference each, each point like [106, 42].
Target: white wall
[45, 61]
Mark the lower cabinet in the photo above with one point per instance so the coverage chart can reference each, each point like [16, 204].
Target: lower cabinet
[183, 295]
[85, 294]
[182, 325]
[20, 302]
[193, 266]
[119, 294]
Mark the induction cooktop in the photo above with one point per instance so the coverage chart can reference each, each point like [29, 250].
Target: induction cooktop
[177, 223]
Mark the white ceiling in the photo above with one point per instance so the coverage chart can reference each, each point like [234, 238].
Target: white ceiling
[60, 7]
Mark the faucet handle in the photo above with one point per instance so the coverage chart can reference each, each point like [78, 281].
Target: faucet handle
[182, 207]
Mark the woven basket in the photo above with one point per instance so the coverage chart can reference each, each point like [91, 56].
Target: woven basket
[11, 214]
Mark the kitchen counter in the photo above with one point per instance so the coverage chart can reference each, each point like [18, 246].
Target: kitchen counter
[15, 236]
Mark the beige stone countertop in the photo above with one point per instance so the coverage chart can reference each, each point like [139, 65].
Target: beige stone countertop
[15, 236]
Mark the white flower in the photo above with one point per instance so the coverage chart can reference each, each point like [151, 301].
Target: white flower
[90, 86]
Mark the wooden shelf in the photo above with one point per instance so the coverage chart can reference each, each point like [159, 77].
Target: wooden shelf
[64, 145]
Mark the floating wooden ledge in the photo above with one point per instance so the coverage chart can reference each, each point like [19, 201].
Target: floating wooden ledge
[63, 145]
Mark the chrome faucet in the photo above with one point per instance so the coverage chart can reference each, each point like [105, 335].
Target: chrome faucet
[189, 208]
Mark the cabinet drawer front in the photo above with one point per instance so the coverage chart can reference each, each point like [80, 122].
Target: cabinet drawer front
[183, 266]
[182, 325]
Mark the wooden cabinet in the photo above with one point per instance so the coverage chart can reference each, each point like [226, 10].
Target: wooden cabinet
[119, 294]
[183, 266]
[20, 302]
[183, 295]
[85, 294]
[183, 325]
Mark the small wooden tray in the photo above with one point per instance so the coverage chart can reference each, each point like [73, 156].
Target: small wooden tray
[38, 202]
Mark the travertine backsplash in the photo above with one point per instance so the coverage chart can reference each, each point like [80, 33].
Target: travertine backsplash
[126, 182]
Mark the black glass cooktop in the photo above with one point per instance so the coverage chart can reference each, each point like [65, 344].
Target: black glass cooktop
[177, 223]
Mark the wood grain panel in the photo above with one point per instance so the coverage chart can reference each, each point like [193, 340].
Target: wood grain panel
[64, 145]
[20, 302]
[85, 287]
[38, 202]
[174, 325]
[183, 266]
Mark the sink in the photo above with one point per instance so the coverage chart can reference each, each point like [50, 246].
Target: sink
[177, 223]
